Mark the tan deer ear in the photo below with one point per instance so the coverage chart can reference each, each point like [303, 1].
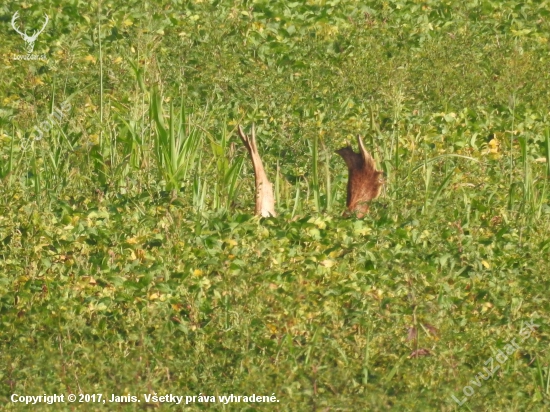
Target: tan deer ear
[265, 201]
[364, 154]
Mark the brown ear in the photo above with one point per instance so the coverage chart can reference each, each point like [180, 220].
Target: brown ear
[349, 156]
[265, 201]
[369, 161]
[364, 181]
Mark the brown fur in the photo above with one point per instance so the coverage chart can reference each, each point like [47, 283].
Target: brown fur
[365, 182]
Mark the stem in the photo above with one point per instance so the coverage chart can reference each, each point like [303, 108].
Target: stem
[100, 74]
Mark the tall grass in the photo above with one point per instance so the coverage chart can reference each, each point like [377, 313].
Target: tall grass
[314, 150]
[328, 181]
[199, 187]
[176, 145]
[228, 169]
[512, 109]
[323, 194]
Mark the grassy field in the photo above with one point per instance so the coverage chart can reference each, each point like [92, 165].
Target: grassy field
[130, 260]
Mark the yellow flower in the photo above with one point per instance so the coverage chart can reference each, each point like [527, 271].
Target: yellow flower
[37, 81]
[90, 59]
[493, 145]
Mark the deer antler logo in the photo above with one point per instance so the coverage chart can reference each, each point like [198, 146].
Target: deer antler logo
[28, 39]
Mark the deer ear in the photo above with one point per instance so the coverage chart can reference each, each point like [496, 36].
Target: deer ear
[369, 161]
[364, 181]
[370, 164]
[265, 201]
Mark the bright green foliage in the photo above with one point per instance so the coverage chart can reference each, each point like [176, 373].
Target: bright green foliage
[175, 145]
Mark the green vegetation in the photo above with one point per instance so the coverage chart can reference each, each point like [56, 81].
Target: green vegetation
[130, 262]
